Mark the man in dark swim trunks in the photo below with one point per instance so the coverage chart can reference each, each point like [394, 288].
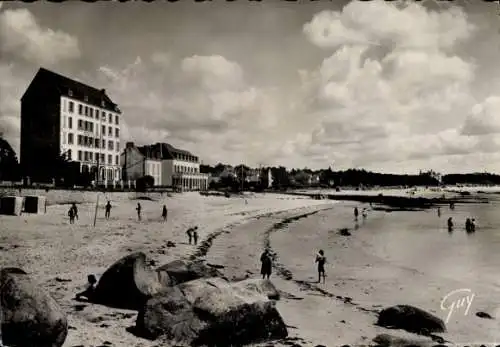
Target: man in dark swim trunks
[321, 260]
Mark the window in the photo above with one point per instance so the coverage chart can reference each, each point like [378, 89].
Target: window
[117, 120]
[86, 110]
[110, 159]
[103, 158]
[91, 156]
[117, 146]
[91, 113]
[103, 130]
[110, 118]
[117, 160]
[80, 109]
[103, 117]
[71, 107]
[103, 103]
[70, 139]
[80, 140]
[117, 133]
[91, 126]
[80, 124]
[80, 155]
[103, 144]
[96, 143]
[110, 131]
[70, 92]
[86, 98]
[110, 145]
[96, 114]
[70, 122]
[86, 158]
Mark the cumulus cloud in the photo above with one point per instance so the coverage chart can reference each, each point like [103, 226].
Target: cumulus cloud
[391, 84]
[22, 36]
[23, 42]
[484, 118]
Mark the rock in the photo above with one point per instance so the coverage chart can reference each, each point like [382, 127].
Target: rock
[129, 283]
[29, 315]
[387, 340]
[211, 312]
[481, 314]
[344, 232]
[170, 244]
[180, 271]
[410, 318]
[263, 286]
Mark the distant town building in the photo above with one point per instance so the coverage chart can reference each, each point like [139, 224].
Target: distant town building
[169, 166]
[64, 117]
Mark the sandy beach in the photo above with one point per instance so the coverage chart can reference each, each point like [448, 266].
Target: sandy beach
[389, 258]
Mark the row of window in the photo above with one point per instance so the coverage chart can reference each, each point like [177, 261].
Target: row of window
[92, 157]
[87, 141]
[89, 126]
[153, 169]
[185, 169]
[88, 111]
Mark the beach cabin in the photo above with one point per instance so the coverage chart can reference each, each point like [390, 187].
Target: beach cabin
[35, 204]
[11, 205]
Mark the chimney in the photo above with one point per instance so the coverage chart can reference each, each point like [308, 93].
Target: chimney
[103, 91]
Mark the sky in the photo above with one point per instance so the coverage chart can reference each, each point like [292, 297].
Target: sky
[394, 86]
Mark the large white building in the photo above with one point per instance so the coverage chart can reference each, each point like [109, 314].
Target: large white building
[60, 116]
[170, 166]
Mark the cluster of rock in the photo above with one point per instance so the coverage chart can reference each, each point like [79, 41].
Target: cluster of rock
[185, 303]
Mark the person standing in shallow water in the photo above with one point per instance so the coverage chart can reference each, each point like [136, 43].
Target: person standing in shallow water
[164, 213]
[139, 208]
[108, 210]
[450, 224]
[267, 264]
[439, 211]
[356, 213]
[321, 260]
[195, 235]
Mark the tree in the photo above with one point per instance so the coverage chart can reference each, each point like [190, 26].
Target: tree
[9, 165]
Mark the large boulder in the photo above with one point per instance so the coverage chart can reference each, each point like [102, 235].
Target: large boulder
[410, 318]
[211, 312]
[263, 286]
[29, 315]
[180, 271]
[129, 283]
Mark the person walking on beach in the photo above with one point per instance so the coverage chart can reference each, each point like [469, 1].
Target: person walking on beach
[364, 213]
[108, 210]
[356, 213]
[189, 233]
[75, 210]
[439, 211]
[139, 208]
[321, 260]
[195, 235]
[164, 213]
[473, 225]
[452, 206]
[71, 215]
[450, 224]
[267, 264]
[468, 223]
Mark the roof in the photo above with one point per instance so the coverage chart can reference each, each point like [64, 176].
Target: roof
[164, 150]
[74, 89]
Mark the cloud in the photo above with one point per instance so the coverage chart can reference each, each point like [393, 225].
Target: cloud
[484, 118]
[392, 83]
[24, 41]
[21, 36]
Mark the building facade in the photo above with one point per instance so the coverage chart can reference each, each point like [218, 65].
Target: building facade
[63, 117]
[169, 166]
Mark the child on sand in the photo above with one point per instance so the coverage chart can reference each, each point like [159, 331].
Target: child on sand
[108, 210]
[89, 292]
[267, 264]
[138, 208]
[164, 213]
[71, 215]
[321, 260]
[75, 210]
